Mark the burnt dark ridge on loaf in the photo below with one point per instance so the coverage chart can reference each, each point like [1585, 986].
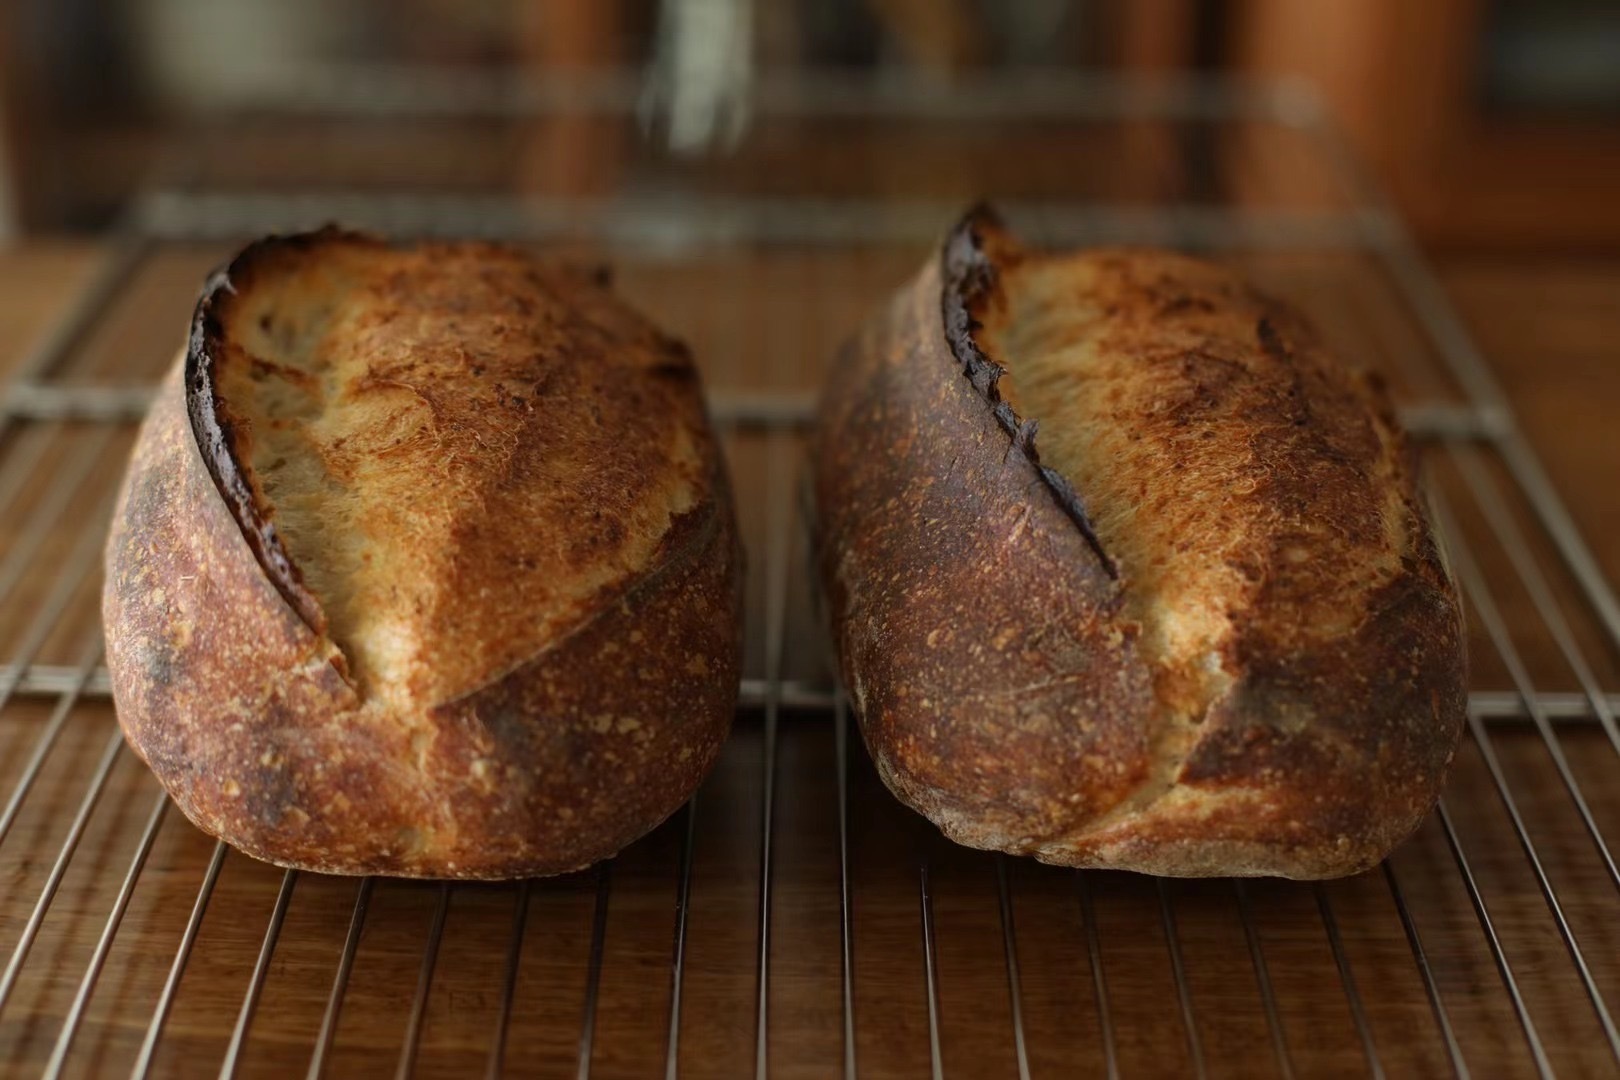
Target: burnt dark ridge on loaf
[969, 277]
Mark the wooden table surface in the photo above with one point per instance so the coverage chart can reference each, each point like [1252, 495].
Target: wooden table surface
[1549, 330]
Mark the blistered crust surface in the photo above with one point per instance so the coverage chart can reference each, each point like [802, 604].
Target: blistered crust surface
[398, 411]
[1244, 484]
[1284, 643]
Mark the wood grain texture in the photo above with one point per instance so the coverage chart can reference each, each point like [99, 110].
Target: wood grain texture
[1549, 333]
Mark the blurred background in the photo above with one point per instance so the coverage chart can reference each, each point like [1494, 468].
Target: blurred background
[1494, 123]
[1436, 183]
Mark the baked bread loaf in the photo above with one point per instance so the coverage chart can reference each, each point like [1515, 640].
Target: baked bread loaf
[425, 565]
[1196, 624]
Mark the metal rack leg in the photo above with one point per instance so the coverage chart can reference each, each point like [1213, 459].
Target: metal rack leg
[340, 981]
[514, 956]
[160, 1014]
[1532, 1037]
[1172, 941]
[780, 526]
[930, 971]
[1421, 958]
[424, 985]
[593, 977]
[1352, 996]
[1262, 976]
[1099, 979]
[261, 970]
[845, 917]
[1010, 948]
[683, 901]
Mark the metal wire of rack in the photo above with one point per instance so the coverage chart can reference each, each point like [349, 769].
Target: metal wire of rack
[792, 920]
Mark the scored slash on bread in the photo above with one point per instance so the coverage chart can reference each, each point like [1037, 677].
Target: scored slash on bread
[425, 565]
[1125, 571]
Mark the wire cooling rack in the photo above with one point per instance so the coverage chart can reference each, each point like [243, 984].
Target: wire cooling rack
[793, 920]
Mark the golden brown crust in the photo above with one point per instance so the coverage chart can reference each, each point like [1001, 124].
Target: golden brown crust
[1015, 632]
[537, 752]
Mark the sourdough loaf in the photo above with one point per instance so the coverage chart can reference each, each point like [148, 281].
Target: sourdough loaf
[425, 564]
[1125, 570]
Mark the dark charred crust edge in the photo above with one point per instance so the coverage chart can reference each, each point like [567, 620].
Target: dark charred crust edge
[218, 438]
[221, 443]
[969, 279]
